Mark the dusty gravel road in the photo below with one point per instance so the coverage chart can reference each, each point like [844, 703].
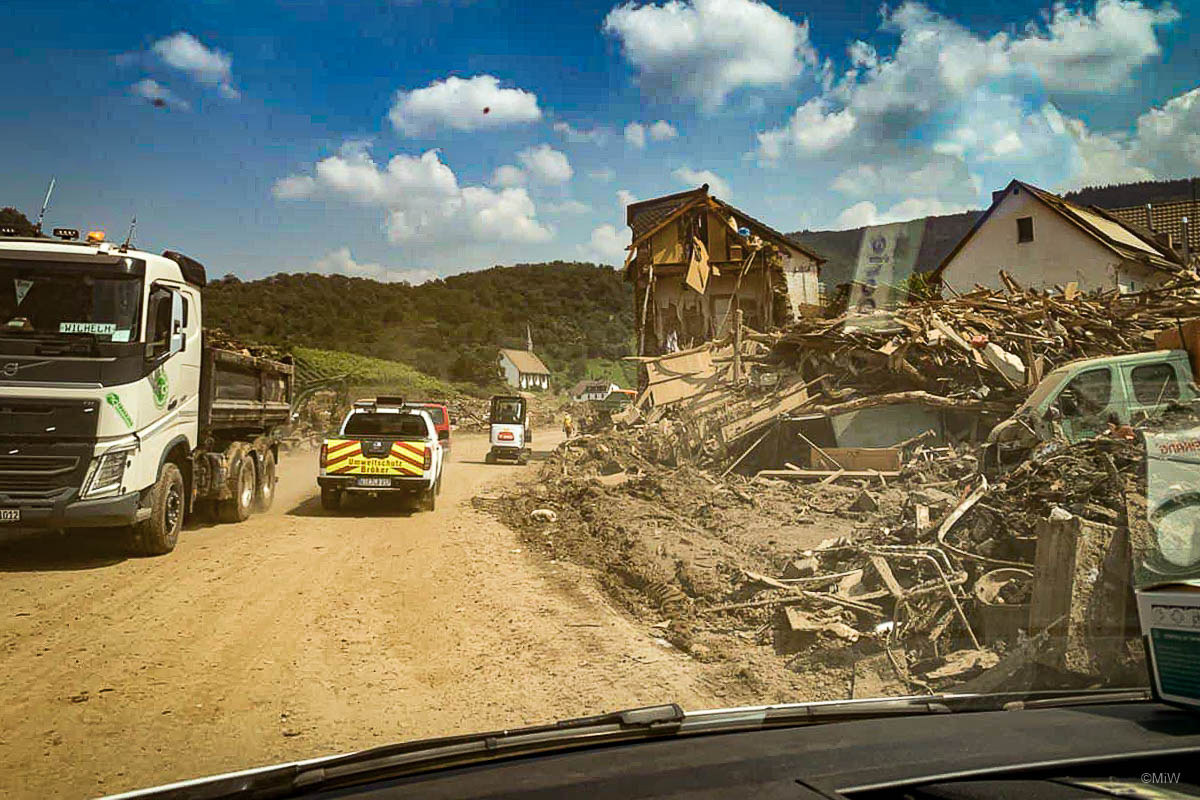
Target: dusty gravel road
[298, 634]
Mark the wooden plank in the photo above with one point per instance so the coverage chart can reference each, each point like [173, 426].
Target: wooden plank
[816, 474]
[883, 459]
[885, 573]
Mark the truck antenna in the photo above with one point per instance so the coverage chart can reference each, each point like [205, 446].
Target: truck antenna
[129, 238]
[45, 205]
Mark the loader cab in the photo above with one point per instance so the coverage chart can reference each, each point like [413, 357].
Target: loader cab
[508, 429]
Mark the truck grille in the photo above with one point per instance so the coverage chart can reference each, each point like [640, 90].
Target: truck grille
[21, 474]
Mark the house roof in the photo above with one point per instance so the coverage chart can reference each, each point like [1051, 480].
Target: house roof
[1130, 242]
[590, 386]
[525, 361]
[647, 216]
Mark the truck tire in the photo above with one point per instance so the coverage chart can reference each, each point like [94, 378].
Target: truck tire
[490, 458]
[331, 499]
[429, 499]
[264, 490]
[238, 507]
[158, 534]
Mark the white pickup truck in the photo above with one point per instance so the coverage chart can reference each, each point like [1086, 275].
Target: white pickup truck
[383, 446]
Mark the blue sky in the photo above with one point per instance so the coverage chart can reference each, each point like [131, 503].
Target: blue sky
[351, 137]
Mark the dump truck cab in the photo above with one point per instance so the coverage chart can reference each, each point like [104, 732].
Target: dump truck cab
[1083, 398]
[508, 429]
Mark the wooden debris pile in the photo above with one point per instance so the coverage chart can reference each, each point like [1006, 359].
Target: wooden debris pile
[947, 590]
[987, 346]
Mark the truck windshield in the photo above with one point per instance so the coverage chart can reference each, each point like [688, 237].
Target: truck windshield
[373, 424]
[51, 300]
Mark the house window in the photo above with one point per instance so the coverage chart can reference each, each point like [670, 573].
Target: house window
[1024, 229]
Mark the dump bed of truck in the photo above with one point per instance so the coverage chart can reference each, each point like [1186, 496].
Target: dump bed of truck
[241, 392]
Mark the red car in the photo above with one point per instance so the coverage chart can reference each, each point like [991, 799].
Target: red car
[441, 420]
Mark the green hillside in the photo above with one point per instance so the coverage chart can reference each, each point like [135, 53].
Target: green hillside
[450, 328]
[365, 371]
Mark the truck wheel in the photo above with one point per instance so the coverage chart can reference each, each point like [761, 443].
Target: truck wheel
[158, 534]
[490, 458]
[429, 499]
[331, 499]
[264, 491]
[523, 459]
[238, 507]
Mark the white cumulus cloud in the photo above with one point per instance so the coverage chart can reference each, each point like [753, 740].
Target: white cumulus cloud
[865, 213]
[694, 178]
[1095, 52]
[568, 206]
[545, 164]
[625, 197]
[703, 50]
[965, 107]
[662, 130]
[598, 135]
[208, 66]
[340, 261]
[635, 134]
[607, 245]
[158, 95]
[462, 104]
[421, 198]
[508, 176]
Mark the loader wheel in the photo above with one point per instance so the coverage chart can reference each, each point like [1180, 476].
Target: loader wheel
[331, 499]
[264, 492]
[238, 507]
[158, 534]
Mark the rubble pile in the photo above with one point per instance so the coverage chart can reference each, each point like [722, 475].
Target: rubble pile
[914, 584]
[216, 337]
[985, 346]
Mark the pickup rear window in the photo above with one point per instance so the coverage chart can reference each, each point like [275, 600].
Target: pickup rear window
[436, 414]
[398, 425]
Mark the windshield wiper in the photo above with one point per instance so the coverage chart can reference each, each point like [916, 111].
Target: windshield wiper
[396, 760]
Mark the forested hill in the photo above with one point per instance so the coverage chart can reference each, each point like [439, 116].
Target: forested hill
[449, 328]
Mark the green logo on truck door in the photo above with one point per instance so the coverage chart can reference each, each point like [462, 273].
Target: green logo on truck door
[114, 400]
[159, 386]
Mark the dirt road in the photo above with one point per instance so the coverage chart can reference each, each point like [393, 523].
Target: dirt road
[298, 634]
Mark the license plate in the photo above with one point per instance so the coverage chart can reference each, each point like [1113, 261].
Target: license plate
[375, 482]
[10, 515]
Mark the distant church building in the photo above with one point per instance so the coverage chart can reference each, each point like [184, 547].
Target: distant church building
[522, 368]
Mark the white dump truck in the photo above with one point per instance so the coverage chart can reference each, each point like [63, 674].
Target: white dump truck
[114, 411]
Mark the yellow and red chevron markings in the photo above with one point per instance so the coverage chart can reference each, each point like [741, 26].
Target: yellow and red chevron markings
[345, 457]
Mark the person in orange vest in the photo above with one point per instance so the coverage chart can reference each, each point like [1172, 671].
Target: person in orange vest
[568, 426]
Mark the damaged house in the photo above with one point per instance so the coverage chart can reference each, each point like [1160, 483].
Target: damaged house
[695, 261]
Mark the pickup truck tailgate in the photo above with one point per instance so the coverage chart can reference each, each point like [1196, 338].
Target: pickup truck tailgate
[374, 457]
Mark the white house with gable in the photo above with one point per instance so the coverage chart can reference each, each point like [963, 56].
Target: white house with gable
[1042, 240]
[524, 370]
